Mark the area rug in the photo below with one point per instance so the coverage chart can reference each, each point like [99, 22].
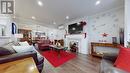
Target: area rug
[56, 60]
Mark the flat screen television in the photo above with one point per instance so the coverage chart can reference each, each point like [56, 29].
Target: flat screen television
[75, 28]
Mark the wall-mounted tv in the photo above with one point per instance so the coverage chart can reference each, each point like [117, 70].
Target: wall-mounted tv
[75, 28]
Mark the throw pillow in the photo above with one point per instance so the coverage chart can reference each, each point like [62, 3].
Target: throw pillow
[21, 49]
[123, 59]
[4, 51]
[9, 47]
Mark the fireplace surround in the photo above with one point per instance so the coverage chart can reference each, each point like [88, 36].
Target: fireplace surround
[78, 38]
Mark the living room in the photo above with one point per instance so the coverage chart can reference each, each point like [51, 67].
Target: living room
[43, 36]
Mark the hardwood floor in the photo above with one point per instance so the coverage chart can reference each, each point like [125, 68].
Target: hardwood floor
[80, 64]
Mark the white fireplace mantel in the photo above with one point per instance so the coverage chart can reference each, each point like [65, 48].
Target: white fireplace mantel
[75, 36]
[81, 41]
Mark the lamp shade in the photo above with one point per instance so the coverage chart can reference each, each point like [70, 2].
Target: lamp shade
[18, 35]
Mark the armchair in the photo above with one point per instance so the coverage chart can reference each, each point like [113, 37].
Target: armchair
[44, 44]
[107, 64]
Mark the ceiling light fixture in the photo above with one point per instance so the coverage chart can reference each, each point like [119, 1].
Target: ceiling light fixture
[40, 3]
[98, 2]
[33, 17]
[67, 17]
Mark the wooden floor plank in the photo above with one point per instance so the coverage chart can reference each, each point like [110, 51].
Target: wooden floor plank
[80, 64]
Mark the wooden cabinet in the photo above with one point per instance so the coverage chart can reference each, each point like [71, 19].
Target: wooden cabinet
[27, 36]
[94, 44]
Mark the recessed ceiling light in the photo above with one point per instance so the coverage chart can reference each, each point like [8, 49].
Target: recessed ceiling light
[98, 2]
[40, 3]
[54, 23]
[67, 17]
[33, 17]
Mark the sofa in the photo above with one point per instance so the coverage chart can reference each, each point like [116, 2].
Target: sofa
[43, 44]
[8, 54]
[107, 64]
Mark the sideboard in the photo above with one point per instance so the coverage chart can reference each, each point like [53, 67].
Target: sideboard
[95, 44]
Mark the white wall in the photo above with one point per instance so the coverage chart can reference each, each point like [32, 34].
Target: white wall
[5, 21]
[61, 34]
[108, 22]
[127, 21]
[105, 22]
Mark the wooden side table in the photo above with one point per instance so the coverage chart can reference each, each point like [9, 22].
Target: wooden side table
[94, 44]
[26, 65]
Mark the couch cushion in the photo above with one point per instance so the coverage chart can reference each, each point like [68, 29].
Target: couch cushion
[123, 59]
[9, 47]
[4, 51]
[21, 49]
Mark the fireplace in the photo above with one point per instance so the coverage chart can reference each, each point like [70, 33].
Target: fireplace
[73, 46]
[81, 42]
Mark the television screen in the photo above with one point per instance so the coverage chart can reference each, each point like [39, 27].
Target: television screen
[75, 28]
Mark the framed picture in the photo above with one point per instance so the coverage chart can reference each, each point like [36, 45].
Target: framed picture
[40, 34]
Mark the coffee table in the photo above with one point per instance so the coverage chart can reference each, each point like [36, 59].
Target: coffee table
[57, 48]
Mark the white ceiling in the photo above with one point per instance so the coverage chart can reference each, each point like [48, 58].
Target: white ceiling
[57, 10]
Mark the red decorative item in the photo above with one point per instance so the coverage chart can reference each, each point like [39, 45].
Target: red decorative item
[104, 34]
[123, 59]
[83, 23]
